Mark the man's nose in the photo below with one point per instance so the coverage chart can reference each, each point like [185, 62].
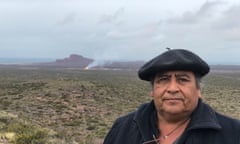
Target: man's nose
[173, 86]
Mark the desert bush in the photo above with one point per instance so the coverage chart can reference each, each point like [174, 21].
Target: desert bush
[27, 133]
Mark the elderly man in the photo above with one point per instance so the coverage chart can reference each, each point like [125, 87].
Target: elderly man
[176, 115]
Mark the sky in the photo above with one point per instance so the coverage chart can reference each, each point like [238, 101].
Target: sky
[120, 29]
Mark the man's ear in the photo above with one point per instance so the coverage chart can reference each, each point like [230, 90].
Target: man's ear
[199, 93]
[151, 93]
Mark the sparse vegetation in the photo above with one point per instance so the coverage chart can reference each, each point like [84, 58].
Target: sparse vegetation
[46, 106]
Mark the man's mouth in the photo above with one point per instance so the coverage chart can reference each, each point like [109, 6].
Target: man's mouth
[172, 99]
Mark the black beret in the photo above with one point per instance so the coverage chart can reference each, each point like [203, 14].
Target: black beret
[173, 59]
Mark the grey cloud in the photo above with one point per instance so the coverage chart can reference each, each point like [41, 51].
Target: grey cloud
[208, 7]
[116, 34]
[206, 25]
[146, 31]
[228, 25]
[112, 19]
[230, 18]
[206, 11]
[69, 18]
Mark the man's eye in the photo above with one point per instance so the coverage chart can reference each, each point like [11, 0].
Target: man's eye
[162, 79]
[183, 79]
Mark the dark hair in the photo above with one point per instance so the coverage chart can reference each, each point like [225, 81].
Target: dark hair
[198, 80]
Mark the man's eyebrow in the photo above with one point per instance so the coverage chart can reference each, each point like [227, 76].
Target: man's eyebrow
[182, 75]
[163, 75]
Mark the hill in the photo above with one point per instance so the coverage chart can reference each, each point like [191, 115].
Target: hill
[75, 61]
[81, 62]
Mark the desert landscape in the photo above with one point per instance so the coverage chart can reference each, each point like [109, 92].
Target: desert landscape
[40, 105]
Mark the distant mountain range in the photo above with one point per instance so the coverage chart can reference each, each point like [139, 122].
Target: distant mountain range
[81, 62]
[73, 60]
[76, 61]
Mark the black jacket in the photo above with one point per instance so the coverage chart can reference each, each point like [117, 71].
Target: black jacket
[206, 127]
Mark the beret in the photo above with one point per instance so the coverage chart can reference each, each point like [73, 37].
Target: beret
[173, 59]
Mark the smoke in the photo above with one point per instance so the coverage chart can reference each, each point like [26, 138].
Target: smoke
[98, 63]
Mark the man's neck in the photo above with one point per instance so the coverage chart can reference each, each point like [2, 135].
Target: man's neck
[171, 119]
[171, 130]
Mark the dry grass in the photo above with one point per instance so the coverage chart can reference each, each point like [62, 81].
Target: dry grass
[79, 107]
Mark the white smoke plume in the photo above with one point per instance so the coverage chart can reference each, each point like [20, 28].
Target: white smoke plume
[98, 63]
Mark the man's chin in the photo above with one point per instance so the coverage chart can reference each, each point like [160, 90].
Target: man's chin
[174, 109]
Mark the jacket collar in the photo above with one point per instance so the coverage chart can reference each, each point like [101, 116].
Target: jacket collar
[146, 120]
[145, 117]
[204, 117]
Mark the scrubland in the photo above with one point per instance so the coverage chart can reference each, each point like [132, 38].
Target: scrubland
[57, 106]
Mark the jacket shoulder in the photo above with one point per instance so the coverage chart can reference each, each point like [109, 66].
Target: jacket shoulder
[230, 127]
[119, 130]
[125, 129]
[228, 122]
[124, 120]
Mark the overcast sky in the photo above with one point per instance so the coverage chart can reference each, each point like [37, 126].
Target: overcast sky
[120, 29]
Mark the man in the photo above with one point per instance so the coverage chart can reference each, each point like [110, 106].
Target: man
[176, 115]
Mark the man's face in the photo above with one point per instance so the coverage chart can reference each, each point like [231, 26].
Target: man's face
[175, 92]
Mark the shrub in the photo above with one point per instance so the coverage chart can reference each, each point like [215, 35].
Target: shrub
[28, 134]
[37, 137]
